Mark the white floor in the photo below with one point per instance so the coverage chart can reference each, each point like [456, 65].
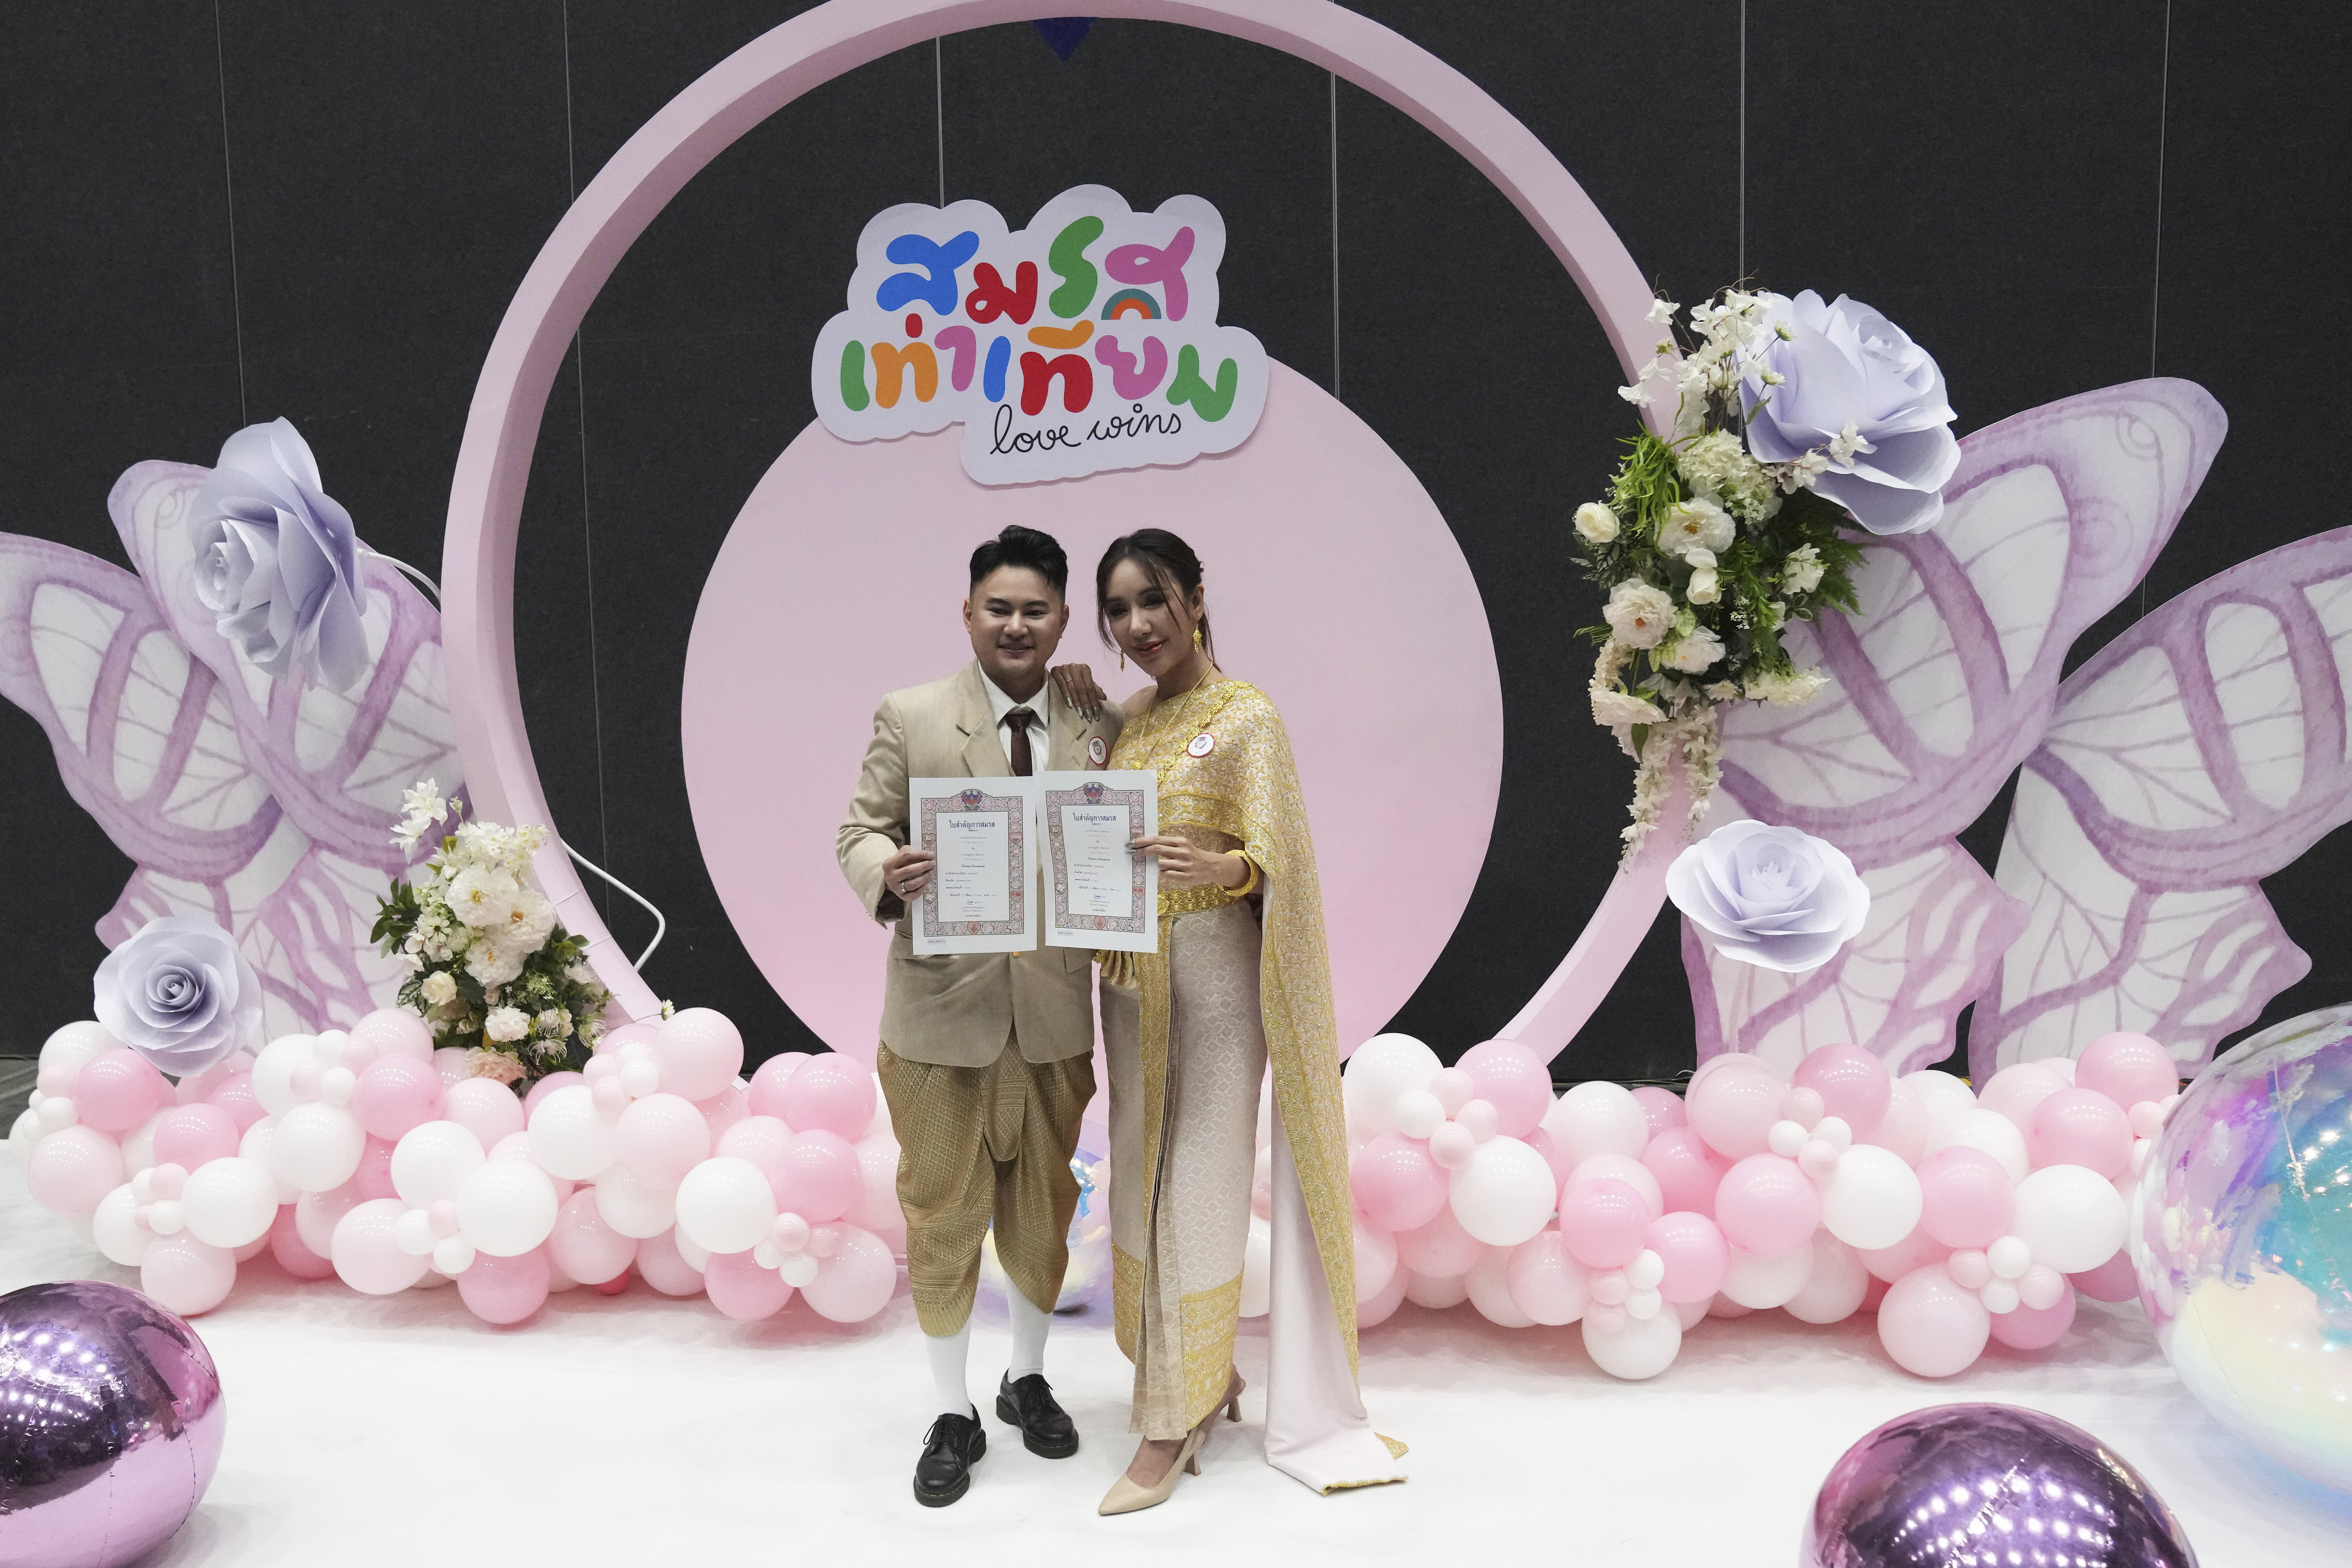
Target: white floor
[640, 1431]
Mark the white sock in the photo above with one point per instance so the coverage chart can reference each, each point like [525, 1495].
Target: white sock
[1029, 1326]
[948, 1355]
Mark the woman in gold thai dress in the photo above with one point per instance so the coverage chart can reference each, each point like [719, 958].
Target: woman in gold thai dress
[1240, 980]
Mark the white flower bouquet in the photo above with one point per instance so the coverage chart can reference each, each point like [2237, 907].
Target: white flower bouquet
[491, 969]
[1794, 422]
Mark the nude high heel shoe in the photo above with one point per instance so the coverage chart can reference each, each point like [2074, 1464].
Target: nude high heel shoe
[1126, 1497]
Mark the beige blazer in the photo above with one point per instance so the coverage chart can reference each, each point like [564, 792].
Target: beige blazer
[958, 1009]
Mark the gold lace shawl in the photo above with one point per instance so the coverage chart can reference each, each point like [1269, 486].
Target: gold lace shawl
[1247, 787]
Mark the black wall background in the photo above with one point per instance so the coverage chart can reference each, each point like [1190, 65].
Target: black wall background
[215, 213]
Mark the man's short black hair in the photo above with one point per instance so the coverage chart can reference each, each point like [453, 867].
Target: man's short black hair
[1019, 547]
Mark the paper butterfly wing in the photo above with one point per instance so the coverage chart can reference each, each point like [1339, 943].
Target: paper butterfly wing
[144, 736]
[2203, 749]
[336, 762]
[1941, 687]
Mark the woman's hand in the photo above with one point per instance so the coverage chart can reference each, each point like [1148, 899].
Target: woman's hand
[1183, 864]
[1078, 688]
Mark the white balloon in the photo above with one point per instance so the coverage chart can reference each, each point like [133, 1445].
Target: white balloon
[1256, 1263]
[431, 1160]
[273, 1073]
[1632, 1348]
[633, 1208]
[1620, 1168]
[1382, 1070]
[1437, 1295]
[1834, 1291]
[1942, 1096]
[1419, 1113]
[505, 1207]
[1903, 1128]
[570, 1137]
[413, 1234]
[1874, 1199]
[877, 1209]
[450, 1062]
[1490, 1291]
[1376, 1260]
[697, 1257]
[2070, 1217]
[187, 1275]
[68, 1047]
[22, 1137]
[138, 1146]
[254, 1146]
[315, 1215]
[453, 1255]
[1598, 1118]
[726, 1204]
[1504, 1193]
[317, 1146]
[117, 1234]
[1761, 1283]
[1987, 1130]
[229, 1203]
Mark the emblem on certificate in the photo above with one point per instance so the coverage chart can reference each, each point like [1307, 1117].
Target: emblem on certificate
[1100, 893]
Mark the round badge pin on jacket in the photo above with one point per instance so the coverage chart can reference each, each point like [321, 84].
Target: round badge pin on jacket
[1097, 752]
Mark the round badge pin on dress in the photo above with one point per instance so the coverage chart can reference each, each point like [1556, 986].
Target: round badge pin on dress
[1201, 745]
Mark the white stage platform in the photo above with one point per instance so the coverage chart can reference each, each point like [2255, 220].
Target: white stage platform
[641, 1431]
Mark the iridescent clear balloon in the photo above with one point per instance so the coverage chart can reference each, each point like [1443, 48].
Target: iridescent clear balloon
[2243, 1243]
[111, 1423]
[1988, 1485]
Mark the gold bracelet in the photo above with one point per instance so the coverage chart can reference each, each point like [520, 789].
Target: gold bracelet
[1245, 889]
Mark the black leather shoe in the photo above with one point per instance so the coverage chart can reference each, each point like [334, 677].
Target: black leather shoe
[1046, 1429]
[950, 1448]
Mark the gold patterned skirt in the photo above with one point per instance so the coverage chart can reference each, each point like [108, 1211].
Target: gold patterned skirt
[1178, 1232]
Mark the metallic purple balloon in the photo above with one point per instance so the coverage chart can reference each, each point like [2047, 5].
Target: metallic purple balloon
[111, 1423]
[1988, 1485]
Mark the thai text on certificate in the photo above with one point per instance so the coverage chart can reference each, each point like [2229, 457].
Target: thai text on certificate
[1100, 893]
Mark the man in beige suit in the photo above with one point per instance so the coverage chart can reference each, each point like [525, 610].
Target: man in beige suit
[987, 1057]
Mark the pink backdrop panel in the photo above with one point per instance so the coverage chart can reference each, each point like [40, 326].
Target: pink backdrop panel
[1333, 584]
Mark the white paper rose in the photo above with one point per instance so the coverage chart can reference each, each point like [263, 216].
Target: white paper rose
[276, 561]
[1774, 897]
[1638, 614]
[1854, 384]
[180, 995]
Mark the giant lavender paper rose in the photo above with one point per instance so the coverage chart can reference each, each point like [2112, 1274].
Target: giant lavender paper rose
[276, 559]
[1774, 897]
[180, 995]
[1855, 387]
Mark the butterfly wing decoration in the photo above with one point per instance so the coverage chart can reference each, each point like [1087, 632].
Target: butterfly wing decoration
[2203, 749]
[1941, 687]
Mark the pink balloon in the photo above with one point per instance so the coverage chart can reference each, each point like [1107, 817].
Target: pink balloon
[1853, 1085]
[1932, 1327]
[1688, 1171]
[504, 1291]
[1663, 1107]
[188, 1135]
[1603, 1222]
[739, 1288]
[1734, 1106]
[1694, 1253]
[1767, 1206]
[117, 1090]
[545, 1086]
[758, 1138]
[2127, 1069]
[2080, 1127]
[1512, 1078]
[856, 1281]
[315, 1215]
[817, 1178]
[295, 1256]
[726, 1108]
[661, 1138]
[700, 1052]
[365, 1254]
[373, 1178]
[660, 1266]
[1545, 1280]
[187, 1275]
[396, 1093]
[1440, 1250]
[584, 1246]
[767, 1091]
[1398, 1186]
[199, 1086]
[1967, 1198]
[2017, 1088]
[1559, 1159]
[1382, 1306]
[234, 1094]
[1873, 1294]
[2034, 1328]
[483, 1107]
[2113, 1280]
[73, 1168]
[830, 1093]
[394, 1032]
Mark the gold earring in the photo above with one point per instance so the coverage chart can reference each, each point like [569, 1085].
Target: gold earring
[1122, 659]
[1196, 636]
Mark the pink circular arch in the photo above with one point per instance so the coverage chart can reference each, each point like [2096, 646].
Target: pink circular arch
[510, 400]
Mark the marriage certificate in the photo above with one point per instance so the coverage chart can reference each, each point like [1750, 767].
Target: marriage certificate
[983, 893]
[1100, 893]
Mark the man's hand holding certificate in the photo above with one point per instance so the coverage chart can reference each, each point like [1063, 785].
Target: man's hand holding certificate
[1000, 844]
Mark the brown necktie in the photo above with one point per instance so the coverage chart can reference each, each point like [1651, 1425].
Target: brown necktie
[1021, 718]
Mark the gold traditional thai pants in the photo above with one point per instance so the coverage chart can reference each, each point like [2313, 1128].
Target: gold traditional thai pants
[1179, 1233]
[977, 1142]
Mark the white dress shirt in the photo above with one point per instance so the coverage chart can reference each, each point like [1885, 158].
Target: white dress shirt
[999, 704]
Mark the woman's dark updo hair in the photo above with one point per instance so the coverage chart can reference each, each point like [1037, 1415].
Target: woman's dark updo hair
[1167, 560]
